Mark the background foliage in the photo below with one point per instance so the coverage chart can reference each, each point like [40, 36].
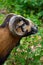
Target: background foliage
[30, 50]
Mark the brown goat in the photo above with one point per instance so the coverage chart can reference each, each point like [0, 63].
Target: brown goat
[13, 28]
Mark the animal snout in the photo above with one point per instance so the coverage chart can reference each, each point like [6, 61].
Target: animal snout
[34, 29]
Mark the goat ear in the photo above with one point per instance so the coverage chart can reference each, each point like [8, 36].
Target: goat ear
[16, 24]
[8, 17]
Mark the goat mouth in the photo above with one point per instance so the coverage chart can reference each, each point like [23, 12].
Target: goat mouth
[34, 32]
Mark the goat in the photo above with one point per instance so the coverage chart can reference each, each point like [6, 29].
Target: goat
[12, 30]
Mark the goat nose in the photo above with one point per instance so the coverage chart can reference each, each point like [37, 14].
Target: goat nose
[34, 29]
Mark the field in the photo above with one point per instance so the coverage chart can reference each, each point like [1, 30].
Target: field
[30, 50]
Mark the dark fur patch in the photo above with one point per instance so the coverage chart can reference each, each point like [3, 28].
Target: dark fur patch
[6, 21]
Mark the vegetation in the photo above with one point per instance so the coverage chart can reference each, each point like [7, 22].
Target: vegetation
[30, 50]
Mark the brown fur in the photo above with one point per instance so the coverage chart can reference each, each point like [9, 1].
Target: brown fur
[7, 42]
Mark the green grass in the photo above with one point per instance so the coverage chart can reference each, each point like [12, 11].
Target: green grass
[30, 50]
[2, 17]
